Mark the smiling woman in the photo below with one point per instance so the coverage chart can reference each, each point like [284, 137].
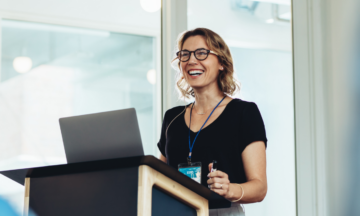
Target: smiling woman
[210, 43]
[233, 133]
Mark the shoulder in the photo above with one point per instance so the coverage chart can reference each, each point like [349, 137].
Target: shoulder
[173, 112]
[244, 108]
[242, 104]
[248, 111]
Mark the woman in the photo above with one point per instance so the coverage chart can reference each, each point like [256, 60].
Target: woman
[233, 133]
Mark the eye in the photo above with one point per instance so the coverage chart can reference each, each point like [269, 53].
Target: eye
[184, 54]
[201, 53]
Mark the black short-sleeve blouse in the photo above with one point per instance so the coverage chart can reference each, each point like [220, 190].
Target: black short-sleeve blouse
[223, 140]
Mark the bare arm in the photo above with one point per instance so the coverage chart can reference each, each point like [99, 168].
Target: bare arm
[254, 160]
[255, 189]
[163, 158]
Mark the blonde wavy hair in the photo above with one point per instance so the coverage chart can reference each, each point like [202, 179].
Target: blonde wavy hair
[226, 80]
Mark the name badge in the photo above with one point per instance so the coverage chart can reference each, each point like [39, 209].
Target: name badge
[191, 170]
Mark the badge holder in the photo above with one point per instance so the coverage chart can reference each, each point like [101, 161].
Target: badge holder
[191, 170]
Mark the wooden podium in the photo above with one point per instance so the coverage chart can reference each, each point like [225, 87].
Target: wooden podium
[141, 186]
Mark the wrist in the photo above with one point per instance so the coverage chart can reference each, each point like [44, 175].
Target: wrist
[237, 195]
[232, 192]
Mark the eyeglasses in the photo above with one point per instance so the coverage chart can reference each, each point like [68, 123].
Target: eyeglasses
[200, 54]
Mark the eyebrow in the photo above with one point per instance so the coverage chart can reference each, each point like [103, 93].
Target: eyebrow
[194, 50]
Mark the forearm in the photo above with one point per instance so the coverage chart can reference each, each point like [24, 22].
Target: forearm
[254, 191]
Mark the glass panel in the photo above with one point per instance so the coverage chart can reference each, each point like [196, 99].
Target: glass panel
[50, 71]
[259, 36]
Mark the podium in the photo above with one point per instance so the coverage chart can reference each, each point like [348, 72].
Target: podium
[138, 186]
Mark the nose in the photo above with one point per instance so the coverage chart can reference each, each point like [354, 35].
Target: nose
[192, 59]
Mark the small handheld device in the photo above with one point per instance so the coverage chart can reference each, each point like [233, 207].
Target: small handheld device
[214, 166]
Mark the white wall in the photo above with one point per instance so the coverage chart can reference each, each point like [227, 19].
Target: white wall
[266, 77]
[123, 15]
[326, 53]
[238, 27]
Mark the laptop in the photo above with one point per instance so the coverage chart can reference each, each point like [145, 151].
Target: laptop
[99, 136]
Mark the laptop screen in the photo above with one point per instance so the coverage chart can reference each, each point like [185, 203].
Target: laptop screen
[99, 136]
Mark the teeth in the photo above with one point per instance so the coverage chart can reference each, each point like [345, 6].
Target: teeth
[196, 72]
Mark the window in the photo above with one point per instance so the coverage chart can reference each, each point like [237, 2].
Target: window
[52, 71]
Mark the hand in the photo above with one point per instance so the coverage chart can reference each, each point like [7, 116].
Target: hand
[219, 182]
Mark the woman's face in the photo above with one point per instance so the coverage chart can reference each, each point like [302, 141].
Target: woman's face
[208, 68]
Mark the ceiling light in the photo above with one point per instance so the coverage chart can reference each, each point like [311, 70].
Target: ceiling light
[22, 64]
[151, 76]
[150, 5]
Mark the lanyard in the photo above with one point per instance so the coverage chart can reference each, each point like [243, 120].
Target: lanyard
[191, 146]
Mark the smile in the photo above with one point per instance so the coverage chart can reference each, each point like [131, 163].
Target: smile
[195, 72]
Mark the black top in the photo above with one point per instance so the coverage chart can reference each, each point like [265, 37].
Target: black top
[223, 140]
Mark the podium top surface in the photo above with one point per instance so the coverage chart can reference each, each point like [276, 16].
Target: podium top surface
[215, 200]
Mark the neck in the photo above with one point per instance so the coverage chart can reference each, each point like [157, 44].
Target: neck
[205, 100]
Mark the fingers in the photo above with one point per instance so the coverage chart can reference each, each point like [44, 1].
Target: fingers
[219, 186]
[221, 189]
[218, 174]
[218, 180]
[210, 166]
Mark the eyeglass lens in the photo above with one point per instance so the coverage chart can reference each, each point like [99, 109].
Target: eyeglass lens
[200, 54]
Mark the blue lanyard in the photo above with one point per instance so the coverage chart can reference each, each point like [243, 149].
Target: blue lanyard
[191, 146]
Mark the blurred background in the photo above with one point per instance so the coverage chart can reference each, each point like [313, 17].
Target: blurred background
[58, 59]
[297, 60]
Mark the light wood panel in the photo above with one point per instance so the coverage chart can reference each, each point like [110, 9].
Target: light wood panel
[149, 177]
[27, 196]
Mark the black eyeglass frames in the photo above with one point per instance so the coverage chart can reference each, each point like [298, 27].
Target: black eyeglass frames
[200, 54]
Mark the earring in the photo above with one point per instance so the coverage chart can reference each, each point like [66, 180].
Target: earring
[222, 68]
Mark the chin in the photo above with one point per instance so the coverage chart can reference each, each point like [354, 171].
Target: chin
[196, 85]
